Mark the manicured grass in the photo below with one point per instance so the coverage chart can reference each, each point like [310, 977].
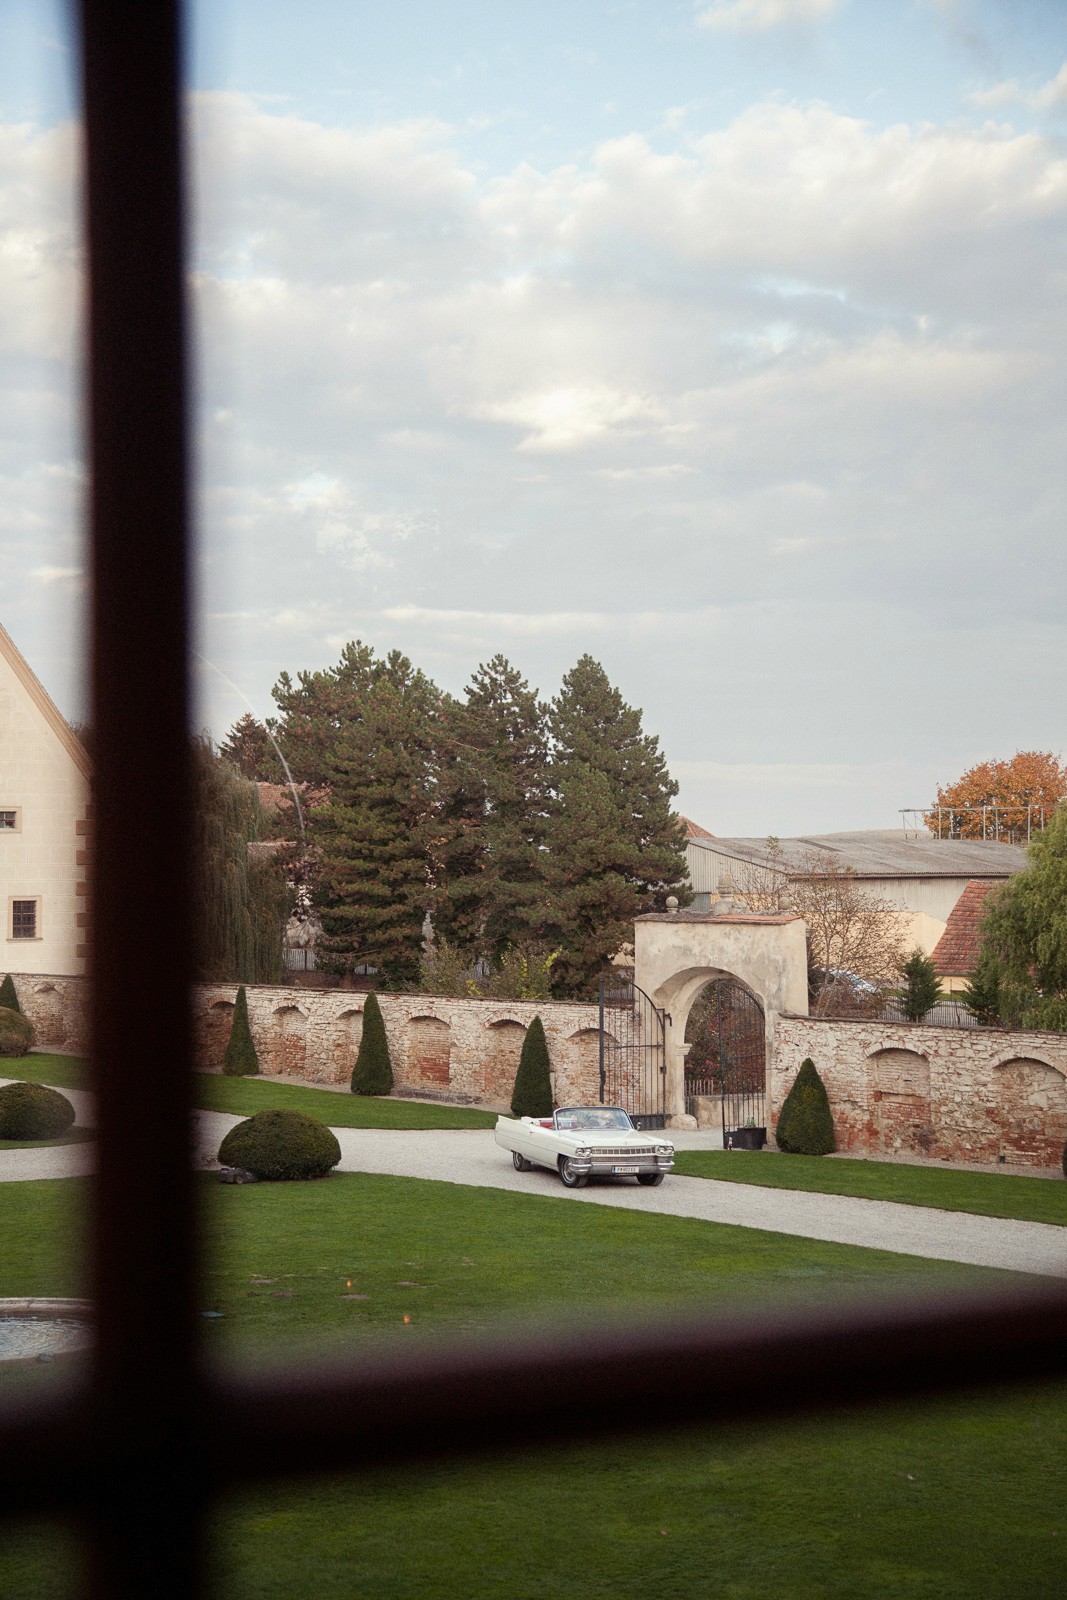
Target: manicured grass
[955, 1502]
[75, 1136]
[986, 1194]
[245, 1096]
[59, 1072]
[961, 1502]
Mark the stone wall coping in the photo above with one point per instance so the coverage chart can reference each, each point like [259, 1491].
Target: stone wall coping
[929, 1027]
[774, 918]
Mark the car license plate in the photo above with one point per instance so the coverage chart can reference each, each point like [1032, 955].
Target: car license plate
[626, 1169]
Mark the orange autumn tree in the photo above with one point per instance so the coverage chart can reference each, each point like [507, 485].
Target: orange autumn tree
[1030, 778]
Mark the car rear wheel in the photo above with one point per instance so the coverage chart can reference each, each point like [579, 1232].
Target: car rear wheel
[651, 1180]
[572, 1179]
[520, 1163]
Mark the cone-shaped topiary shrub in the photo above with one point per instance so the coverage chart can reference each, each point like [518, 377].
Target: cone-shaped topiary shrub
[806, 1126]
[239, 1059]
[16, 1033]
[532, 1094]
[281, 1144]
[9, 999]
[373, 1071]
[30, 1111]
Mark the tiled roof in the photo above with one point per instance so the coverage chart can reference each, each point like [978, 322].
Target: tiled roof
[693, 830]
[956, 952]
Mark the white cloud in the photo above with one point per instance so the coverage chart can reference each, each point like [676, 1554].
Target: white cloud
[563, 419]
[1046, 97]
[759, 16]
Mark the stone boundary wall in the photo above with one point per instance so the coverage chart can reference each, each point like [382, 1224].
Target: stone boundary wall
[964, 1094]
[464, 1051]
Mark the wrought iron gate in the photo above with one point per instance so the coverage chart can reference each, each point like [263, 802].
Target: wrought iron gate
[727, 1060]
[633, 1055]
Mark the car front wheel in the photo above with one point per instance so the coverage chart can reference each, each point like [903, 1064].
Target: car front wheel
[651, 1180]
[520, 1162]
[572, 1178]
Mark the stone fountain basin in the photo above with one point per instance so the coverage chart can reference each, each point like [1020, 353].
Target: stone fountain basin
[38, 1328]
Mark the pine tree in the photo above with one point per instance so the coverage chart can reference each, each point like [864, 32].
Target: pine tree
[372, 829]
[9, 999]
[590, 891]
[373, 1071]
[1024, 936]
[922, 986]
[806, 1124]
[493, 793]
[239, 1058]
[982, 994]
[615, 848]
[532, 1095]
[248, 747]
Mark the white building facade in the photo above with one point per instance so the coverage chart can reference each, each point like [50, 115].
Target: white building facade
[44, 828]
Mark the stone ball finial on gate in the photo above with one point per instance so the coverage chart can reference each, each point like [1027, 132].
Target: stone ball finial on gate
[672, 904]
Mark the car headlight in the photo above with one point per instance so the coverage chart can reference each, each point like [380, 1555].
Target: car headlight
[582, 1152]
[665, 1150]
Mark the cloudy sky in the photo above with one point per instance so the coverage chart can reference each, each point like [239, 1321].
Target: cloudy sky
[725, 341]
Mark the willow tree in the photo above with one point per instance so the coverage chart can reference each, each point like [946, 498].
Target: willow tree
[242, 899]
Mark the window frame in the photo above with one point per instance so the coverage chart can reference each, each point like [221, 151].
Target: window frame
[11, 811]
[143, 1449]
[15, 900]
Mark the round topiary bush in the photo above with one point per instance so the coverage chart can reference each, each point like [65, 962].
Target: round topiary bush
[16, 1032]
[281, 1144]
[30, 1111]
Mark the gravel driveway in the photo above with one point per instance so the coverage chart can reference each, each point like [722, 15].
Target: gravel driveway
[472, 1157]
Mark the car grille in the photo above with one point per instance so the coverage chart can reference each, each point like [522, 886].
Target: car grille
[621, 1154]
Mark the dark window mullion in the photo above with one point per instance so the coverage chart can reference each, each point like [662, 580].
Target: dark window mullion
[145, 1403]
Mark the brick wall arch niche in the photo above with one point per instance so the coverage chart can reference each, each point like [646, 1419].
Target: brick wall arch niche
[347, 1037]
[429, 1042]
[900, 1102]
[1031, 1099]
[46, 1014]
[214, 1031]
[502, 1060]
[289, 1052]
[576, 1079]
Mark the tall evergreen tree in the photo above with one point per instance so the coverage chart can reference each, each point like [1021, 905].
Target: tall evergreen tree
[248, 747]
[615, 847]
[493, 796]
[9, 999]
[922, 986]
[371, 831]
[240, 1058]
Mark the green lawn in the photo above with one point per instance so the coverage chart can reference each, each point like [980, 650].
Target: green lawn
[986, 1194]
[59, 1072]
[245, 1096]
[958, 1502]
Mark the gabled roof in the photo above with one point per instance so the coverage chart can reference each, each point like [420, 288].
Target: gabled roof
[876, 853]
[693, 830]
[45, 704]
[956, 952]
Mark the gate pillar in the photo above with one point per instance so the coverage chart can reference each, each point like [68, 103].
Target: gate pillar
[677, 952]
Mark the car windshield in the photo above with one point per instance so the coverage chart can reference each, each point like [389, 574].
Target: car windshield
[593, 1119]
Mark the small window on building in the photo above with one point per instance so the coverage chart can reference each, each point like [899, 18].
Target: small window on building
[9, 820]
[24, 919]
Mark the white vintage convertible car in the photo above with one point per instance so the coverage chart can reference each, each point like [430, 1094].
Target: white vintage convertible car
[580, 1142]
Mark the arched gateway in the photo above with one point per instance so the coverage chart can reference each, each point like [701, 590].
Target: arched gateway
[677, 954]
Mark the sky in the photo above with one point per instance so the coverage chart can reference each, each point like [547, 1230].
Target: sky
[723, 341]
